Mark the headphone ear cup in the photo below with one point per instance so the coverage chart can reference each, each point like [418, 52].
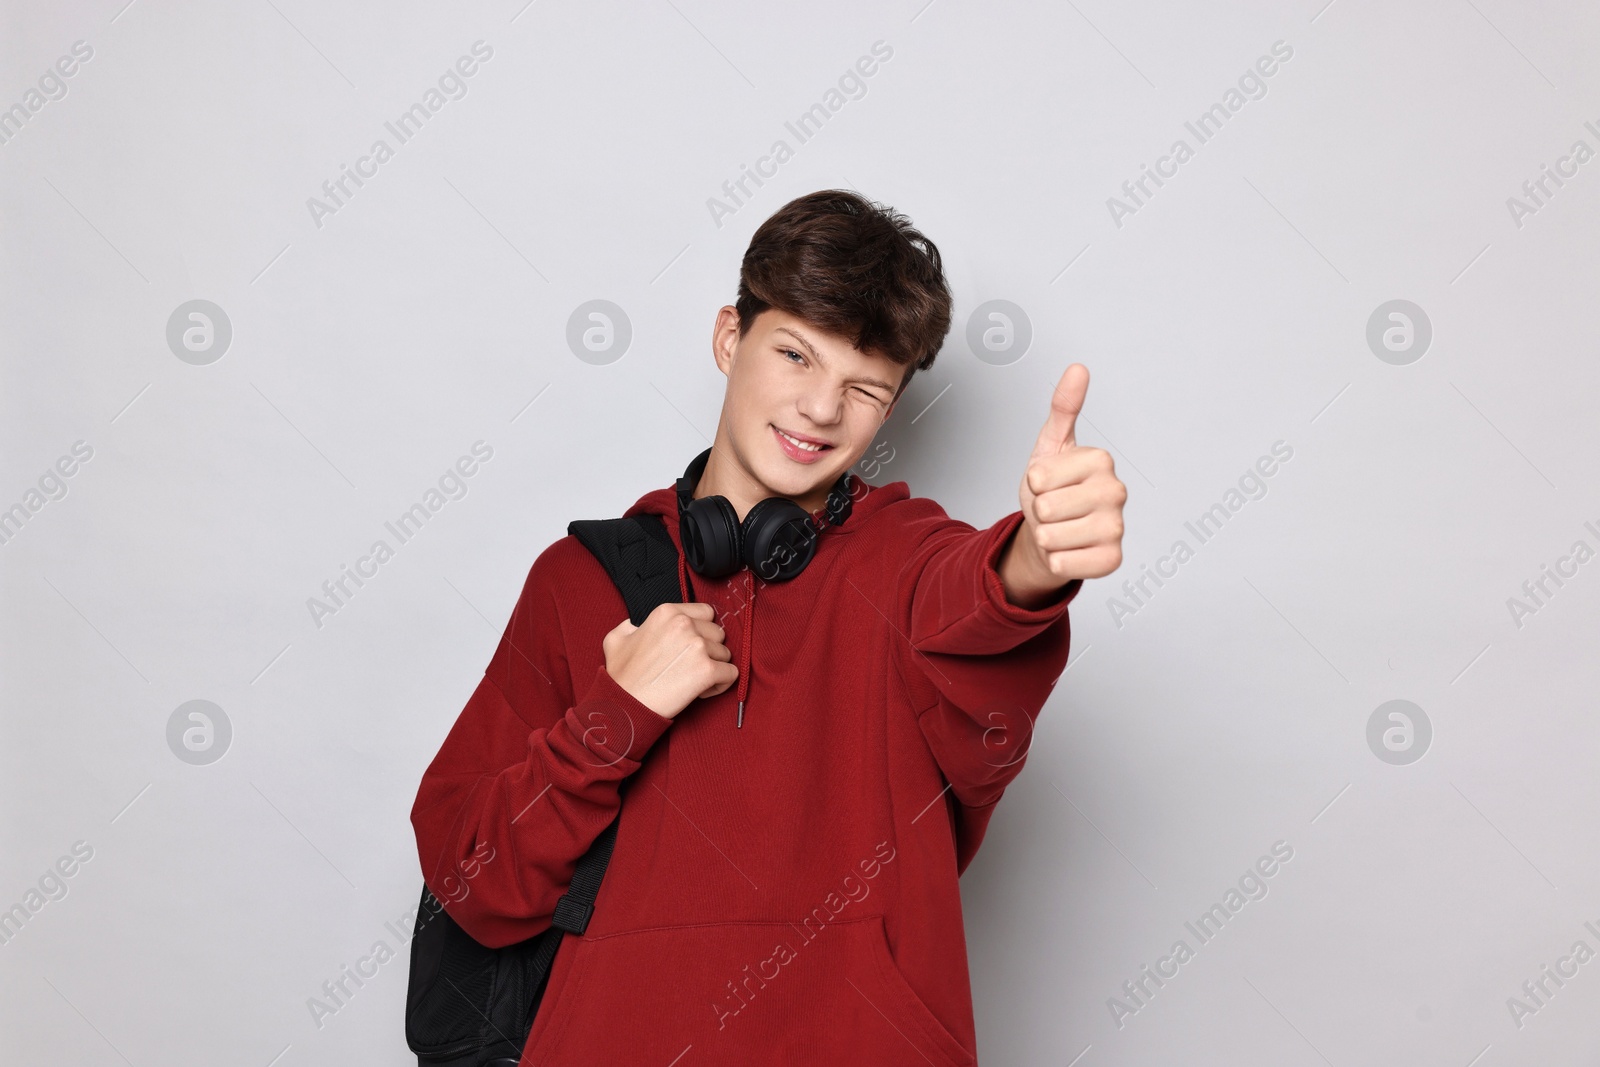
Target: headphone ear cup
[712, 538]
[779, 539]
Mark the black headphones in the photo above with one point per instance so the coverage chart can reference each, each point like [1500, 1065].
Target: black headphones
[776, 540]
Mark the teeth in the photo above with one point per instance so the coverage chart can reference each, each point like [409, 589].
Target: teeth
[800, 444]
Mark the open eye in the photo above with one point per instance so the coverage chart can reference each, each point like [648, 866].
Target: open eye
[796, 355]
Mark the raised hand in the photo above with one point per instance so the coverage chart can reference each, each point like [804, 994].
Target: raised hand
[1071, 496]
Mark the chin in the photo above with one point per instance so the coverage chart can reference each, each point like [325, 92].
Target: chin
[788, 478]
[795, 483]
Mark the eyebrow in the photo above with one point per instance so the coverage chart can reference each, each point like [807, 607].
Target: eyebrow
[818, 357]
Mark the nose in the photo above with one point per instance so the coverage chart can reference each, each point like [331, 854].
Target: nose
[821, 405]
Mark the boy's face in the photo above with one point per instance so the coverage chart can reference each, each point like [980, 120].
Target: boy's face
[787, 375]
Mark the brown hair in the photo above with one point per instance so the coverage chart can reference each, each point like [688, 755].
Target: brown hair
[850, 266]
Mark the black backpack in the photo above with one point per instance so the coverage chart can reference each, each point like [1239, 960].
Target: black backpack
[471, 1006]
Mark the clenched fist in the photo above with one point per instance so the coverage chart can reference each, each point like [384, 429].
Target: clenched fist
[674, 658]
[1071, 504]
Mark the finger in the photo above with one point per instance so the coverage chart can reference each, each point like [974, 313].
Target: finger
[710, 630]
[1095, 562]
[1068, 502]
[709, 627]
[1087, 532]
[1066, 468]
[1066, 400]
[696, 610]
[726, 675]
[717, 650]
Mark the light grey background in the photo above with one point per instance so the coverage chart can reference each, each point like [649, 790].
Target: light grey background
[430, 312]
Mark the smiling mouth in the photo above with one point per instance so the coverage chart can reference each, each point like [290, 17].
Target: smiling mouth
[804, 446]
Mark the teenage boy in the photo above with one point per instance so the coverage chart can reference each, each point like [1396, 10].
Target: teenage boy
[800, 801]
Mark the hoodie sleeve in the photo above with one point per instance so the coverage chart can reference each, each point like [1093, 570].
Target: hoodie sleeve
[528, 776]
[978, 667]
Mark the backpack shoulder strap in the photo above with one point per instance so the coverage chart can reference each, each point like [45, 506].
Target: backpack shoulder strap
[638, 554]
[640, 557]
[507, 984]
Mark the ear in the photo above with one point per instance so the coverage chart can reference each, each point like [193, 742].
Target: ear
[905, 383]
[888, 411]
[725, 337]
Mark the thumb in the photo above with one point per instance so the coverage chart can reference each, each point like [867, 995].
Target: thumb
[1066, 400]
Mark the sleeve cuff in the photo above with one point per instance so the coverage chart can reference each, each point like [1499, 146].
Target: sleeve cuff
[995, 589]
[612, 723]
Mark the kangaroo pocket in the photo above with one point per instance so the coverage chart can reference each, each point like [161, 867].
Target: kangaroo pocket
[741, 993]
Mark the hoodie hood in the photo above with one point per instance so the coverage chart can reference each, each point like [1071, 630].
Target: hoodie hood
[733, 598]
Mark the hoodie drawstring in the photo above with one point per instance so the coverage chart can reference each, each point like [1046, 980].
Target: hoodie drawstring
[744, 651]
[687, 589]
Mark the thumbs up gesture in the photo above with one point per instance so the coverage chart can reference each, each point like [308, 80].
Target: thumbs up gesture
[1071, 505]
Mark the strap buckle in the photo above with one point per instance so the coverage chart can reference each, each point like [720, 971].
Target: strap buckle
[572, 914]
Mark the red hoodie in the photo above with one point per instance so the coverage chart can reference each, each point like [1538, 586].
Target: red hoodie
[781, 892]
